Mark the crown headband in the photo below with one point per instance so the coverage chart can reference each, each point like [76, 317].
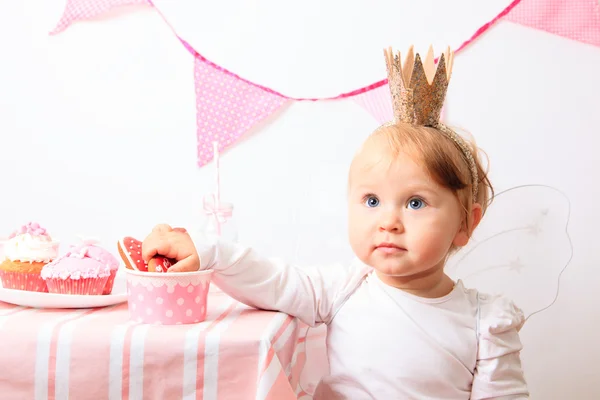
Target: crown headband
[418, 91]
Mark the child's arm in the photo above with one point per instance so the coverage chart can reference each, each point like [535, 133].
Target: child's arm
[498, 373]
[312, 294]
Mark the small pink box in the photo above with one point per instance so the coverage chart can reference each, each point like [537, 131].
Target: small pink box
[168, 298]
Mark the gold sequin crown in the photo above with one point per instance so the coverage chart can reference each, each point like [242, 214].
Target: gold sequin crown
[418, 89]
[418, 92]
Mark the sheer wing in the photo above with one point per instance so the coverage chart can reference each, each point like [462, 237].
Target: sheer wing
[520, 249]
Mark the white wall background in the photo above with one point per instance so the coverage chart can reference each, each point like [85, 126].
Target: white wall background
[97, 134]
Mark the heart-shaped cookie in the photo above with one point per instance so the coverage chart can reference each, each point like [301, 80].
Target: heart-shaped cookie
[130, 250]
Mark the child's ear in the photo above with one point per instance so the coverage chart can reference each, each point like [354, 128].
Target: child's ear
[464, 234]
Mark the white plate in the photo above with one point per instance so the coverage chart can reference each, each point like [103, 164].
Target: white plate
[51, 300]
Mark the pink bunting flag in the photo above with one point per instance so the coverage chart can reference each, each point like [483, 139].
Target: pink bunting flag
[81, 10]
[377, 102]
[574, 19]
[227, 107]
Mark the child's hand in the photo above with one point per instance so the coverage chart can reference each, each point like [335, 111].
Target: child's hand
[173, 243]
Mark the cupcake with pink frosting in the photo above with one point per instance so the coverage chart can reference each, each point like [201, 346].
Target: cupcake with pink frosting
[104, 257]
[85, 269]
[27, 250]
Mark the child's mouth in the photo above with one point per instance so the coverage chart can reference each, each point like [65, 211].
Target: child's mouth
[390, 248]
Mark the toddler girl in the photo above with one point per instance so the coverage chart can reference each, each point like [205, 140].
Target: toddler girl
[397, 326]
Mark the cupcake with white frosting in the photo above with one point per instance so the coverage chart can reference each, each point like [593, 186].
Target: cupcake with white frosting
[26, 252]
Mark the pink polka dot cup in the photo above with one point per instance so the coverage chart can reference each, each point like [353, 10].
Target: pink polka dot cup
[167, 298]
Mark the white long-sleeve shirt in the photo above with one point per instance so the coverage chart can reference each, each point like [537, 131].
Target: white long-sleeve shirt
[383, 343]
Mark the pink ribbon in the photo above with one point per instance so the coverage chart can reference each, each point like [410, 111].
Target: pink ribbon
[220, 212]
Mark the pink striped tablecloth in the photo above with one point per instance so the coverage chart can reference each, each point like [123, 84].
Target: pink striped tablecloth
[237, 353]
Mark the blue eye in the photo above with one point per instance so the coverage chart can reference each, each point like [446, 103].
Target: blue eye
[415, 203]
[371, 201]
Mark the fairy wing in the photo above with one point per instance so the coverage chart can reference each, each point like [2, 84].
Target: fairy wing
[520, 249]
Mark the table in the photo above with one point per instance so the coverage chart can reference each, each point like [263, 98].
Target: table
[237, 353]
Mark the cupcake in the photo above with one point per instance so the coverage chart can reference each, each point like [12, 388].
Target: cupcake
[83, 270]
[104, 257]
[27, 251]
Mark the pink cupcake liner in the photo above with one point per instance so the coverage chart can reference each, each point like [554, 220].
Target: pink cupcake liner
[168, 298]
[23, 281]
[85, 286]
[110, 282]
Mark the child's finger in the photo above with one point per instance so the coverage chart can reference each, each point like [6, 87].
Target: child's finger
[188, 264]
[162, 228]
[156, 244]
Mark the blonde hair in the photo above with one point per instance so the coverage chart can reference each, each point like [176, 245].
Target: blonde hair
[442, 158]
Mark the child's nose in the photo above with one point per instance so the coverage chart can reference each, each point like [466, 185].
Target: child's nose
[391, 222]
